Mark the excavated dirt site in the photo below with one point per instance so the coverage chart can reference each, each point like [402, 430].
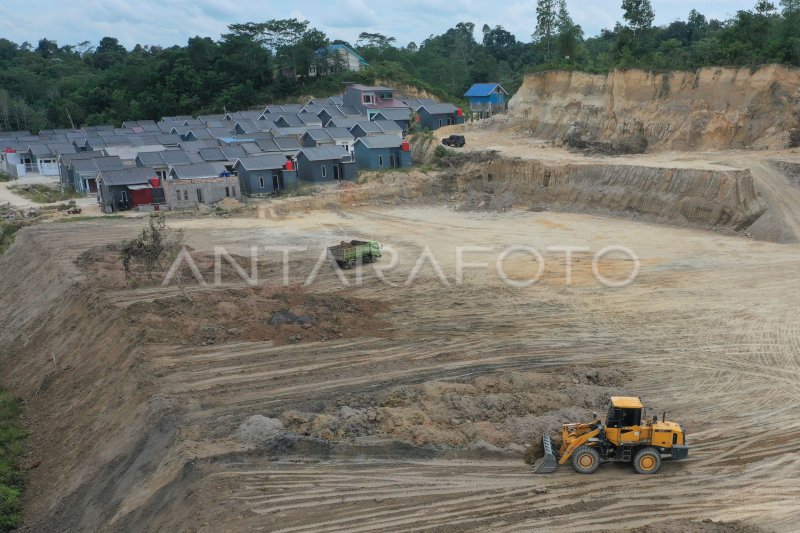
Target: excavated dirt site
[406, 396]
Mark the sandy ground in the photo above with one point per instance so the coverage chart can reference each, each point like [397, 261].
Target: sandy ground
[512, 143]
[88, 204]
[708, 333]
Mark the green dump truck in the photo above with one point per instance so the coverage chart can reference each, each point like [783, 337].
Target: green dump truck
[347, 254]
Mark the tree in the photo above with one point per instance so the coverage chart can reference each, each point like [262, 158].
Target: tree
[374, 40]
[546, 20]
[499, 43]
[639, 14]
[281, 36]
[765, 8]
[790, 7]
[570, 35]
[47, 48]
[152, 253]
[108, 52]
[697, 25]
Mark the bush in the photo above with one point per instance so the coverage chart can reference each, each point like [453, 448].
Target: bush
[152, 253]
[8, 230]
[11, 448]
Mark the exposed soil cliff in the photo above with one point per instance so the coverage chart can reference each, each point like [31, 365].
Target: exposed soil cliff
[711, 108]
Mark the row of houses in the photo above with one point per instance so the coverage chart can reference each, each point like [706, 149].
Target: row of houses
[184, 161]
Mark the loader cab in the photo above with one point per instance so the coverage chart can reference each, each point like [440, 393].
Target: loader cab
[624, 420]
[619, 417]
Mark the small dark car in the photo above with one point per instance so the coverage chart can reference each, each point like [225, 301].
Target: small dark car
[454, 140]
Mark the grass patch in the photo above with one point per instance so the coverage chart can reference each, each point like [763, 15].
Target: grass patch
[87, 218]
[8, 230]
[44, 194]
[4, 177]
[301, 190]
[11, 449]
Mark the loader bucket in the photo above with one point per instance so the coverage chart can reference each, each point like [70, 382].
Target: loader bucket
[547, 464]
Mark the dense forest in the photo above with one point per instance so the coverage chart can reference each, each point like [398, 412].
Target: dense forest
[52, 85]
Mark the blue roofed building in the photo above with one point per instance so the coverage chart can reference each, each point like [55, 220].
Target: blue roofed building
[487, 99]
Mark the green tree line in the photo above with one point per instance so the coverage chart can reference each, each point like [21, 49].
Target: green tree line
[52, 85]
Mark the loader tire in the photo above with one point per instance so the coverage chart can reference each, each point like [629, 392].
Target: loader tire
[647, 461]
[585, 460]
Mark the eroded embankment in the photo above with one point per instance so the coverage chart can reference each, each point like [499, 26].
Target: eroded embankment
[87, 406]
[703, 198]
[706, 198]
[711, 108]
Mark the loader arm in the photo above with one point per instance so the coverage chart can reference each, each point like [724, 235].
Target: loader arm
[578, 441]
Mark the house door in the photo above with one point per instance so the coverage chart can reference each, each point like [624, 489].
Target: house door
[336, 172]
[125, 200]
[276, 184]
[200, 196]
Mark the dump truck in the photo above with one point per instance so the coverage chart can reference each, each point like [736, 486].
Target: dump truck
[629, 435]
[347, 254]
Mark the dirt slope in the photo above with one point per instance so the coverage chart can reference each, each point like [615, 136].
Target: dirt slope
[711, 108]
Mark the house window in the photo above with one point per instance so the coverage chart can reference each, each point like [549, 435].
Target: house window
[227, 192]
[178, 195]
[380, 160]
[261, 182]
[441, 123]
[324, 171]
[369, 98]
[186, 195]
[162, 174]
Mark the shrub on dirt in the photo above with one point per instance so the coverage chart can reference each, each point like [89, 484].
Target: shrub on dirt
[152, 253]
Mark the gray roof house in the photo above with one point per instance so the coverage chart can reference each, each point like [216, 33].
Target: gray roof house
[400, 116]
[265, 174]
[378, 152]
[63, 166]
[325, 163]
[316, 137]
[435, 116]
[197, 171]
[128, 188]
[161, 162]
[82, 173]
[346, 122]
[288, 144]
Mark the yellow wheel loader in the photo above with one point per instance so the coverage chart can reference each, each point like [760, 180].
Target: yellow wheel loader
[629, 435]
